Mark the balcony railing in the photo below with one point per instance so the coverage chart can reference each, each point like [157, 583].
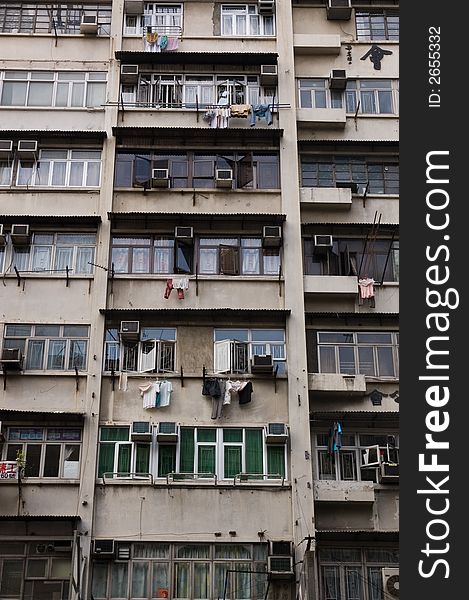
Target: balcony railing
[123, 476]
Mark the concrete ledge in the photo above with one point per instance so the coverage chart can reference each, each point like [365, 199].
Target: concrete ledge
[326, 197]
[334, 285]
[330, 117]
[343, 491]
[316, 44]
[337, 383]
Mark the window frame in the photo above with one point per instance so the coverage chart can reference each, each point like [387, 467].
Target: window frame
[44, 442]
[46, 348]
[356, 90]
[355, 346]
[234, 10]
[54, 78]
[368, 15]
[249, 342]
[150, 18]
[333, 98]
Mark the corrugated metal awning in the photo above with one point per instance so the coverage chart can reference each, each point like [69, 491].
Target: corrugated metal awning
[12, 414]
[368, 418]
[198, 58]
[55, 133]
[67, 221]
[74, 518]
[187, 134]
[206, 218]
[208, 314]
[347, 535]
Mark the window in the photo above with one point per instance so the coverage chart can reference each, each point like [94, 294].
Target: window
[354, 573]
[121, 457]
[347, 463]
[379, 24]
[151, 254]
[374, 354]
[235, 256]
[63, 18]
[251, 170]
[162, 18]
[229, 452]
[184, 571]
[37, 570]
[49, 347]
[245, 20]
[192, 91]
[345, 257]
[49, 452]
[75, 89]
[53, 253]
[380, 175]
[371, 96]
[234, 347]
[6, 170]
[315, 93]
[154, 353]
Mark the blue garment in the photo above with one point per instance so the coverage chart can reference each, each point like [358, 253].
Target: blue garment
[261, 111]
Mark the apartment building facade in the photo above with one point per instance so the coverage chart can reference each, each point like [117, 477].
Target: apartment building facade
[199, 398]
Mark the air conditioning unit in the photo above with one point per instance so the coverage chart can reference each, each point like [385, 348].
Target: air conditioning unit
[27, 149]
[272, 236]
[160, 178]
[3, 236]
[339, 10]
[269, 75]
[6, 148]
[266, 7]
[280, 567]
[184, 233]
[19, 234]
[390, 582]
[276, 433]
[133, 7]
[141, 431]
[11, 359]
[338, 79]
[130, 331]
[129, 73]
[280, 548]
[224, 178]
[167, 433]
[89, 24]
[351, 185]
[322, 243]
[389, 472]
[104, 548]
[262, 363]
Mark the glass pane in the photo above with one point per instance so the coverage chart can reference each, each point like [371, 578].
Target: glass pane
[160, 580]
[85, 256]
[56, 354]
[95, 95]
[37, 568]
[385, 362]
[254, 451]
[366, 361]
[14, 93]
[76, 174]
[33, 460]
[346, 360]
[123, 458]
[93, 174]
[232, 461]
[182, 580]
[99, 587]
[61, 568]
[276, 460]
[186, 459]
[119, 580]
[206, 459]
[40, 94]
[327, 359]
[106, 459]
[35, 356]
[77, 358]
[201, 580]
[114, 434]
[166, 459]
[232, 435]
[141, 260]
[63, 258]
[12, 578]
[59, 173]
[52, 460]
[139, 579]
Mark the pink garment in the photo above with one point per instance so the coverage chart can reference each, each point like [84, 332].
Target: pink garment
[173, 43]
[366, 287]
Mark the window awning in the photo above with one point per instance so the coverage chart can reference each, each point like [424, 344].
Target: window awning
[27, 134]
[360, 418]
[13, 415]
[198, 58]
[161, 136]
[151, 220]
[205, 315]
[65, 221]
[355, 535]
